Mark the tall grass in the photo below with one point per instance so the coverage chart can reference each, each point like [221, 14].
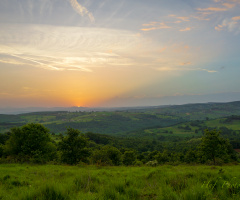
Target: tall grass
[53, 182]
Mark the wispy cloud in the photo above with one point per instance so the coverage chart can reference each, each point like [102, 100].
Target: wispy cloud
[167, 25]
[219, 27]
[221, 6]
[202, 16]
[169, 69]
[185, 63]
[231, 25]
[228, 5]
[46, 66]
[180, 18]
[11, 61]
[186, 29]
[68, 48]
[184, 18]
[185, 22]
[155, 26]
[236, 18]
[213, 9]
[81, 10]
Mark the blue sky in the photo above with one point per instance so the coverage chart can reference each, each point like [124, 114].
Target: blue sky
[118, 53]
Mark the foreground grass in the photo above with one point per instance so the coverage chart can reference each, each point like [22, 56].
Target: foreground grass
[55, 182]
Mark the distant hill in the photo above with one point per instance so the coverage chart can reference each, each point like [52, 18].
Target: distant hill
[120, 120]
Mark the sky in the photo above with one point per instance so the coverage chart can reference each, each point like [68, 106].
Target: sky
[112, 53]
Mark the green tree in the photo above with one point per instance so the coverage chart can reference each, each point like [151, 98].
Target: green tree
[73, 147]
[107, 155]
[163, 157]
[213, 146]
[129, 157]
[1, 150]
[30, 142]
[190, 156]
[4, 137]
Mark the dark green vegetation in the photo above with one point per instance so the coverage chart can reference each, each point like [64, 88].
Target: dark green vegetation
[55, 182]
[32, 143]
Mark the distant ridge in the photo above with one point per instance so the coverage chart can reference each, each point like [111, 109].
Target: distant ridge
[15, 111]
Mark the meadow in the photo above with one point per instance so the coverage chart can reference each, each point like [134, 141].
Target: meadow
[166, 182]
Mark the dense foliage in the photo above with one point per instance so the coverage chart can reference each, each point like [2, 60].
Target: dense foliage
[32, 142]
[73, 147]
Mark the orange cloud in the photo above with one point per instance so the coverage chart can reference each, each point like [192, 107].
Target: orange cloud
[228, 5]
[149, 29]
[212, 9]
[236, 18]
[150, 24]
[156, 26]
[201, 18]
[219, 27]
[183, 18]
[177, 22]
[185, 63]
[186, 29]
[162, 49]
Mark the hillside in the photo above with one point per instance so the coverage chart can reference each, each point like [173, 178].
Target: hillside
[123, 121]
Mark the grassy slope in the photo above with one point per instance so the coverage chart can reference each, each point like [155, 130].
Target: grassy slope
[177, 130]
[22, 182]
[100, 122]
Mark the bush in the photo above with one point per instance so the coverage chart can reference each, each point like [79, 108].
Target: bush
[30, 142]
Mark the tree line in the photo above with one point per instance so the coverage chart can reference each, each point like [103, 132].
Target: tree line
[34, 143]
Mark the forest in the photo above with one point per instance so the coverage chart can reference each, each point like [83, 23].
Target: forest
[33, 143]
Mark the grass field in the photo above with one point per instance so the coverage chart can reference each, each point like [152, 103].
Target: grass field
[56, 182]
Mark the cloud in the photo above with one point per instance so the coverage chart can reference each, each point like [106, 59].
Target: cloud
[169, 69]
[217, 9]
[228, 5]
[225, 6]
[183, 18]
[46, 66]
[207, 70]
[68, 48]
[155, 26]
[186, 29]
[236, 18]
[11, 61]
[185, 63]
[230, 25]
[219, 27]
[151, 24]
[202, 17]
[167, 25]
[162, 49]
[180, 19]
[81, 9]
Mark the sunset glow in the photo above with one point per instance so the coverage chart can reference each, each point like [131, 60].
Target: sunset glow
[118, 53]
